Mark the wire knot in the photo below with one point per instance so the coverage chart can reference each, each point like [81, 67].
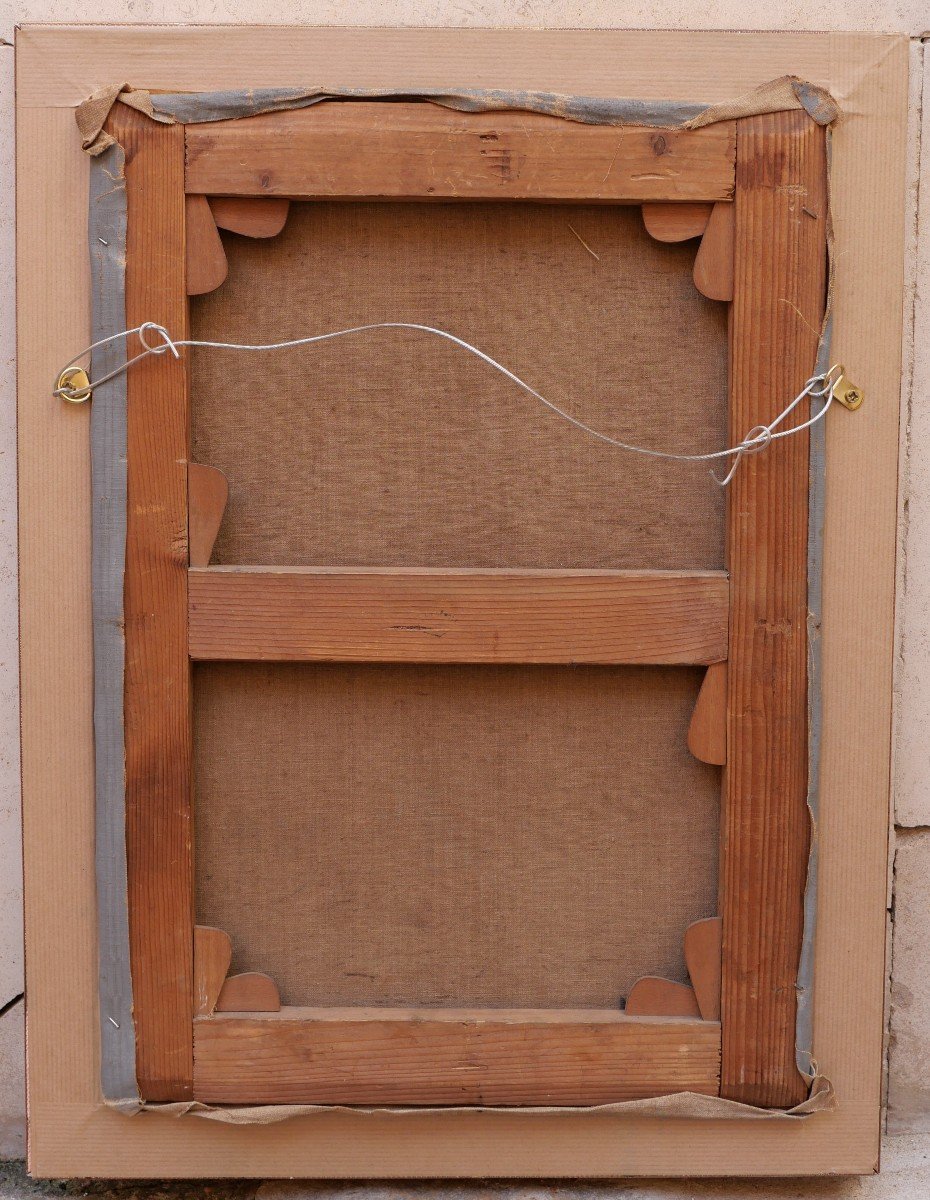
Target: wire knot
[755, 440]
[161, 347]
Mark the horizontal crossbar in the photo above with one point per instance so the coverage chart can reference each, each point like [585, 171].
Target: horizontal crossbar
[420, 151]
[352, 614]
[450, 1056]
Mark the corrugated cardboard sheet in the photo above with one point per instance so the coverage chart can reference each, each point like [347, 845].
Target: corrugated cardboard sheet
[71, 1133]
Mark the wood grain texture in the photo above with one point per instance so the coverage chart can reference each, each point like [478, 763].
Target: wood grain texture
[461, 616]
[676, 222]
[776, 316]
[420, 150]
[450, 1056]
[212, 956]
[653, 996]
[703, 948]
[207, 494]
[707, 732]
[252, 991]
[157, 695]
[713, 266]
[251, 216]
[206, 258]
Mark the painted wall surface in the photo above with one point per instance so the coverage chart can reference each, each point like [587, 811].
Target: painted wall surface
[908, 1145]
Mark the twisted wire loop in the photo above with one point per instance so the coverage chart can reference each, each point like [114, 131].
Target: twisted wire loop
[155, 340]
[161, 347]
[67, 392]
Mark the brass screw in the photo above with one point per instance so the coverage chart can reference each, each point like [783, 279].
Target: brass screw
[74, 385]
[853, 396]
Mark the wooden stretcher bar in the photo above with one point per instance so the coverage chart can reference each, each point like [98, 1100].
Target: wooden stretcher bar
[450, 1056]
[157, 672]
[457, 616]
[778, 302]
[418, 151]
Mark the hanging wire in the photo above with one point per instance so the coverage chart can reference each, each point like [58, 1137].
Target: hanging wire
[818, 387]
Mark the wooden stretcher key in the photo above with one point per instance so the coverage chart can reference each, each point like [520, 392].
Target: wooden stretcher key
[652, 996]
[676, 222]
[703, 953]
[212, 956]
[713, 267]
[206, 259]
[252, 991]
[207, 493]
[707, 733]
[250, 216]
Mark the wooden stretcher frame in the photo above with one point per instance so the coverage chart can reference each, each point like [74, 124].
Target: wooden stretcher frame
[755, 189]
[71, 1131]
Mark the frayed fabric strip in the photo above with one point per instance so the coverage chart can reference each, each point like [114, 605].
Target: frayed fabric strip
[681, 1105]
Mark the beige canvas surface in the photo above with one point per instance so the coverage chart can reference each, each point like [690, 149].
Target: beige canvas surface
[394, 448]
[523, 837]
[71, 1134]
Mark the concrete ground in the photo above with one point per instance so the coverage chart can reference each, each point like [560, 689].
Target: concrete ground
[906, 1156]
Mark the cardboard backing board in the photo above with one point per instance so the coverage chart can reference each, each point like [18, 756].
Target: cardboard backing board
[868, 77]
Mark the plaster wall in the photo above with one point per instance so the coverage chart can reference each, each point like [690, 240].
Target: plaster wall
[907, 1153]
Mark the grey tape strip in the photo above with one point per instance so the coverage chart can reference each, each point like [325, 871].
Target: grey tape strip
[805, 984]
[804, 1029]
[818, 104]
[804, 1035]
[778, 95]
[193, 108]
[107, 232]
